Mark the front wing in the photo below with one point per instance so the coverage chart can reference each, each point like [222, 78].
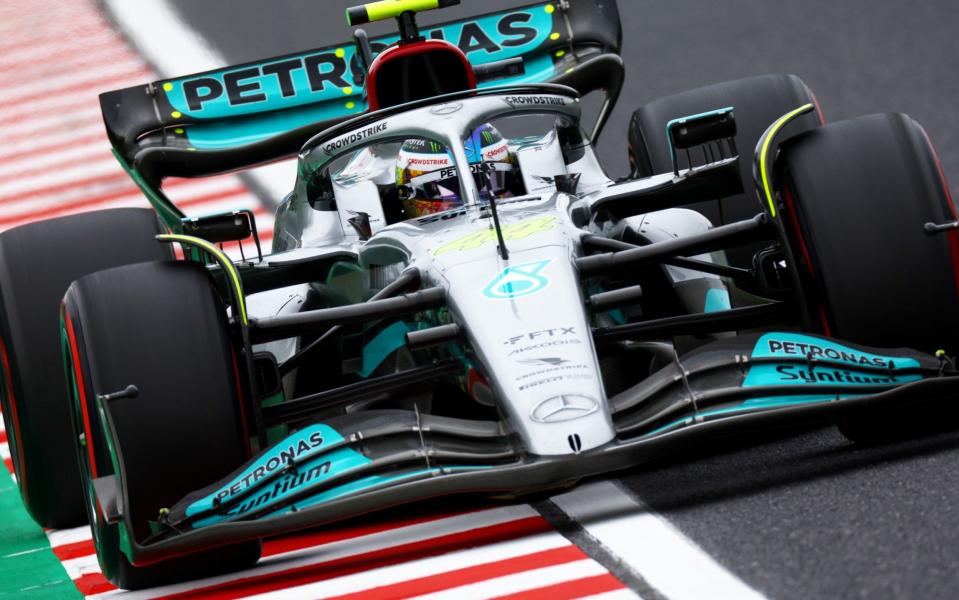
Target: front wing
[367, 461]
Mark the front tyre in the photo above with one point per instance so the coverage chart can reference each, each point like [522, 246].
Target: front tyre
[161, 327]
[37, 263]
[855, 197]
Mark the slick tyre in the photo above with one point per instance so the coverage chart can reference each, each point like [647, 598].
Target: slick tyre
[37, 263]
[160, 327]
[855, 198]
[758, 101]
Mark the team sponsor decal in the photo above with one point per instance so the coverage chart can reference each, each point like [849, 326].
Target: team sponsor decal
[810, 348]
[449, 172]
[517, 101]
[574, 372]
[331, 73]
[302, 460]
[455, 214]
[518, 281]
[553, 361]
[800, 374]
[798, 345]
[555, 379]
[541, 339]
[546, 345]
[280, 489]
[511, 231]
[278, 458]
[494, 154]
[349, 139]
[431, 161]
[539, 334]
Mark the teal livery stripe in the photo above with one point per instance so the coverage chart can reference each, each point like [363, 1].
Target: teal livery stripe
[796, 345]
[296, 100]
[304, 460]
[330, 74]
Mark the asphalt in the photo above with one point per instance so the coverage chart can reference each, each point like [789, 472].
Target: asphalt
[811, 515]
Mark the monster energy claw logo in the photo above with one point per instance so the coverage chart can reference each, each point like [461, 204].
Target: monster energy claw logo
[518, 281]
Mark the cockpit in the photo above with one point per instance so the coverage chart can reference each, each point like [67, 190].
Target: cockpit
[465, 150]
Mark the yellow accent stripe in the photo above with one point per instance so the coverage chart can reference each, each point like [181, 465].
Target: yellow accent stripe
[221, 258]
[764, 156]
[385, 9]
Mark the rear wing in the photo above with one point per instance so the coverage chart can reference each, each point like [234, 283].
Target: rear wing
[260, 112]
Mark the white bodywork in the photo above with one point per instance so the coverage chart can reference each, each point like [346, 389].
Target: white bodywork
[524, 317]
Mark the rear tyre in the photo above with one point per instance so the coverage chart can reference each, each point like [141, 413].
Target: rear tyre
[856, 195]
[37, 263]
[161, 327]
[758, 102]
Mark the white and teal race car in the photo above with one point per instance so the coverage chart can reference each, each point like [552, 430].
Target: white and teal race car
[523, 337]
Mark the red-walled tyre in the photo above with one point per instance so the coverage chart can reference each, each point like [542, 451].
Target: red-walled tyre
[160, 327]
[856, 196]
[37, 263]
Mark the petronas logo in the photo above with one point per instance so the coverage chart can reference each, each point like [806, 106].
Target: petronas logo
[518, 281]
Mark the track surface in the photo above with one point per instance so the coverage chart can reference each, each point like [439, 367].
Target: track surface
[810, 516]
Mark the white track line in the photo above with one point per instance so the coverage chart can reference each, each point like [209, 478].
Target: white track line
[169, 43]
[668, 560]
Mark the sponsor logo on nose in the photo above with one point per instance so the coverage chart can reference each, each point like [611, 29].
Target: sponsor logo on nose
[518, 281]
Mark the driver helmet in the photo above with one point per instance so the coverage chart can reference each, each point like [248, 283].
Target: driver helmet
[426, 176]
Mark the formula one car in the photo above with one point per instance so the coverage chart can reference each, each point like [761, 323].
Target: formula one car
[459, 300]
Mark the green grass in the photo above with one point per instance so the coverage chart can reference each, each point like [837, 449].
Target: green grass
[27, 566]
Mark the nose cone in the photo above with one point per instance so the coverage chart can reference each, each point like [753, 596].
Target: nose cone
[526, 322]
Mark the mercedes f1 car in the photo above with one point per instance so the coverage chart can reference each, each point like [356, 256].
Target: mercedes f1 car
[459, 300]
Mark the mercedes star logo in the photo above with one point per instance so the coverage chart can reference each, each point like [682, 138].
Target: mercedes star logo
[563, 408]
[446, 109]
